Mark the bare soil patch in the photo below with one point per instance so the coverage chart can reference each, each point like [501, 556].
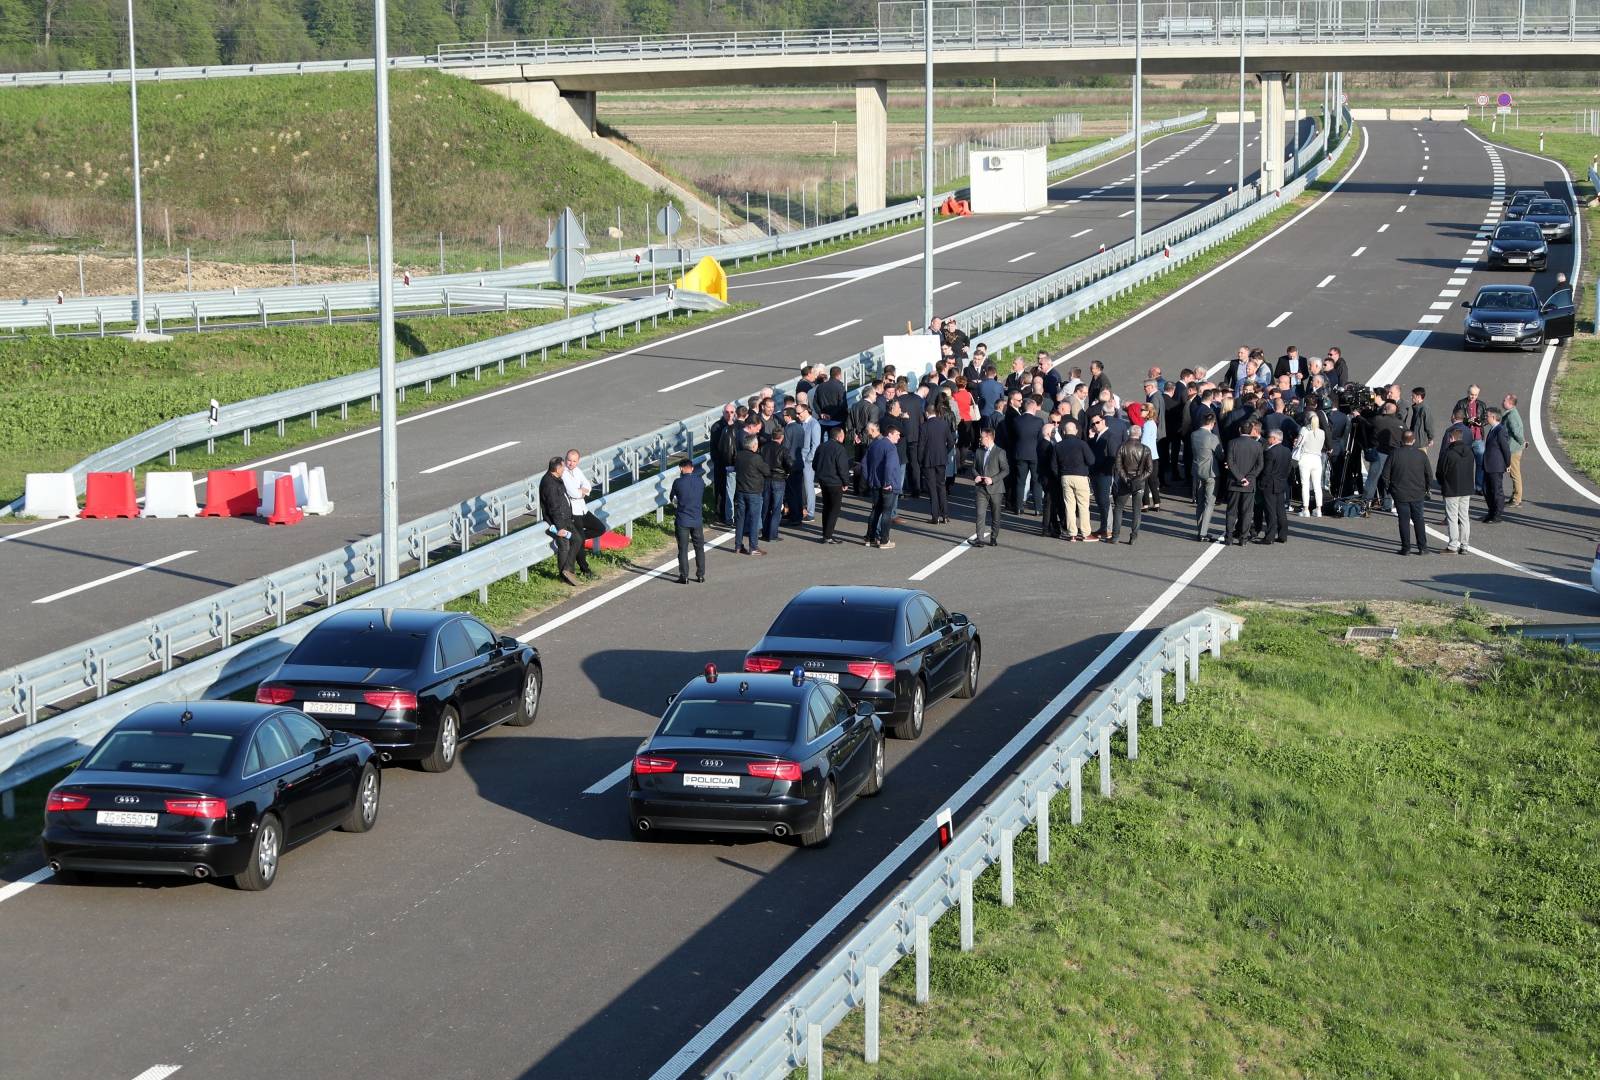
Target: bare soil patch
[41, 276]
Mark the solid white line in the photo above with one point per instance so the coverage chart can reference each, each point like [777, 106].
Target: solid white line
[1275, 323]
[24, 883]
[1209, 274]
[606, 597]
[917, 841]
[707, 375]
[1356, 254]
[612, 778]
[1080, 232]
[943, 560]
[1509, 565]
[1024, 255]
[1384, 227]
[1392, 367]
[36, 529]
[471, 457]
[158, 1072]
[1537, 429]
[947, 285]
[1323, 284]
[831, 329]
[97, 582]
[1031, 217]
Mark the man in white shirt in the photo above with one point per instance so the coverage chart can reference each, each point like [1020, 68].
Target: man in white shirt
[588, 526]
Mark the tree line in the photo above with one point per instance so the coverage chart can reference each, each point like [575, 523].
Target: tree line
[70, 34]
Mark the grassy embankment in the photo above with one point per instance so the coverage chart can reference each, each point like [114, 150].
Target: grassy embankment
[1577, 380]
[238, 179]
[1329, 862]
[80, 395]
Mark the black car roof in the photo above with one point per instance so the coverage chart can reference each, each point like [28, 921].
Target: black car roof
[779, 689]
[875, 595]
[1507, 288]
[1538, 192]
[401, 620]
[1559, 205]
[217, 717]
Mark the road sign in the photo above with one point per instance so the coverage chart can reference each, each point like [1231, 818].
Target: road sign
[1344, 99]
[568, 233]
[1504, 99]
[668, 221]
[569, 268]
[1483, 99]
[1503, 110]
[669, 256]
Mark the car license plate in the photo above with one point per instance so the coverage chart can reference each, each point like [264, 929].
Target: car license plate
[330, 708]
[1516, 260]
[708, 780]
[1504, 337]
[125, 817]
[824, 676]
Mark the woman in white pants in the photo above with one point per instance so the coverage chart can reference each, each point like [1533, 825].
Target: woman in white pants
[1308, 456]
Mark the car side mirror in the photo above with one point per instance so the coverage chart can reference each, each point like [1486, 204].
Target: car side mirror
[509, 642]
[337, 739]
[864, 709]
[1466, 303]
[959, 620]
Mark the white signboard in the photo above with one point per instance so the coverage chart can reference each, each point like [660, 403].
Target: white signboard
[913, 354]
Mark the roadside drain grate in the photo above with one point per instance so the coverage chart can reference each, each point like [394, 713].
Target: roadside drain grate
[1371, 633]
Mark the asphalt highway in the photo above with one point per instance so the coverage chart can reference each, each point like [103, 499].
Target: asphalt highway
[500, 923]
[815, 311]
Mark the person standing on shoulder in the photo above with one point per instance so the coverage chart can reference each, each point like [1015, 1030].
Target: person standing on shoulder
[688, 497]
[1407, 471]
[1517, 437]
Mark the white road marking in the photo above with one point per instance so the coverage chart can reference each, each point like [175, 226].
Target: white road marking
[1438, 305]
[1457, 281]
[1384, 227]
[947, 285]
[1074, 202]
[1431, 319]
[1323, 284]
[1031, 217]
[1024, 255]
[1275, 323]
[916, 842]
[36, 529]
[612, 778]
[1400, 209]
[1450, 292]
[943, 560]
[1424, 168]
[24, 883]
[119, 575]
[697, 378]
[1392, 367]
[1080, 232]
[158, 1072]
[493, 449]
[1537, 429]
[1187, 183]
[1125, 213]
[1210, 171]
[1509, 565]
[841, 326]
[1420, 179]
[1228, 162]
[1168, 195]
[1412, 192]
[1049, 210]
[1356, 254]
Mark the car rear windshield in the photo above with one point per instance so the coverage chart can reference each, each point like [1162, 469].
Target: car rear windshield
[1513, 301]
[1518, 230]
[195, 753]
[359, 647]
[1547, 206]
[838, 622]
[765, 720]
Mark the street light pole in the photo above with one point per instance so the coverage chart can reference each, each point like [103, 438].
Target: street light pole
[1138, 125]
[927, 163]
[1240, 188]
[138, 199]
[388, 464]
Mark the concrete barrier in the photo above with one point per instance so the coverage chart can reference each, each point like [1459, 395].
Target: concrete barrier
[1233, 117]
[1408, 114]
[50, 495]
[169, 495]
[1369, 114]
[1462, 113]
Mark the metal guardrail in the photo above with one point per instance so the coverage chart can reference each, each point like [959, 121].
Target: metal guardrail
[1080, 158]
[94, 666]
[791, 1037]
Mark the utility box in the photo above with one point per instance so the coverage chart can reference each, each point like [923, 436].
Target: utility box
[1008, 181]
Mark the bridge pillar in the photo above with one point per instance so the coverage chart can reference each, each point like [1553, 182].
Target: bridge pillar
[1272, 128]
[872, 144]
[571, 112]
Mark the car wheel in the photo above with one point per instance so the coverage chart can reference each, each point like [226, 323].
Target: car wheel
[363, 813]
[911, 726]
[874, 781]
[969, 681]
[528, 700]
[262, 870]
[822, 831]
[447, 743]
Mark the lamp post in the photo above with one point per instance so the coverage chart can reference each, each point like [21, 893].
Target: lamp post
[1138, 125]
[388, 465]
[927, 163]
[140, 329]
[1240, 188]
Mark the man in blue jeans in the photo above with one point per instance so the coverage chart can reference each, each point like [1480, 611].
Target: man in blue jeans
[750, 484]
[882, 474]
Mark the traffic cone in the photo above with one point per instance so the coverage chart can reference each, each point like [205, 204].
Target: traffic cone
[284, 509]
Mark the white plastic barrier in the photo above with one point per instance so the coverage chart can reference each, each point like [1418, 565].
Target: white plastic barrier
[316, 501]
[50, 495]
[300, 471]
[169, 495]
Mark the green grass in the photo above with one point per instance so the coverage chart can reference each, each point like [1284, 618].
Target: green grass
[84, 394]
[239, 162]
[1577, 422]
[1325, 864]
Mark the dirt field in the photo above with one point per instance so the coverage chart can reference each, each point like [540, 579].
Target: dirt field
[40, 276]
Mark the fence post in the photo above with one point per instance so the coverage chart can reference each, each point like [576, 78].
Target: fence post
[922, 959]
[1008, 894]
[966, 910]
[870, 1005]
[1105, 758]
[1042, 825]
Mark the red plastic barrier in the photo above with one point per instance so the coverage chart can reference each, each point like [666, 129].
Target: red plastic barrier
[284, 509]
[109, 495]
[609, 541]
[231, 493]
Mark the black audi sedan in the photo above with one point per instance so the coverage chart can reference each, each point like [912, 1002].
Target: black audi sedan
[413, 683]
[1513, 317]
[1518, 244]
[777, 755]
[208, 789]
[1553, 218]
[1518, 203]
[895, 648]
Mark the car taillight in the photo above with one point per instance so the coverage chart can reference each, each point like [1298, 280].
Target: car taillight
[204, 807]
[762, 664]
[871, 669]
[390, 700]
[65, 800]
[644, 765]
[268, 694]
[774, 770]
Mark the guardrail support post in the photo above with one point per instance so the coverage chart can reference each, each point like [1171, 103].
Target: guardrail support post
[922, 959]
[1194, 655]
[813, 1052]
[966, 910]
[1041, 821]
[1075, 785]
[1157, 678]
[1131, 720]
[1216, 643]
[870, 1007]
[1105, 758]
[1008, 855]
[1180, 673]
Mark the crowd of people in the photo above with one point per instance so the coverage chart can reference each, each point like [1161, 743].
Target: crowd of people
[1260, 440]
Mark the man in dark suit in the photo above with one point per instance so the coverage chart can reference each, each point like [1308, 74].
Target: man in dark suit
[1407, 472]
[556, 509]
[1026, 428]
[1276, 464]
[1496, 460]
[990, 470]
[1097, 380]
[937, 441]
[1244, 464]
[831, 401]
[833, 476]
[1205, 459]
[1335, 368]
[1291, 363]
[724, 448]
[688, 498]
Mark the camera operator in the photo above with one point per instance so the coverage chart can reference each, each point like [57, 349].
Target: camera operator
[1383, 435]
